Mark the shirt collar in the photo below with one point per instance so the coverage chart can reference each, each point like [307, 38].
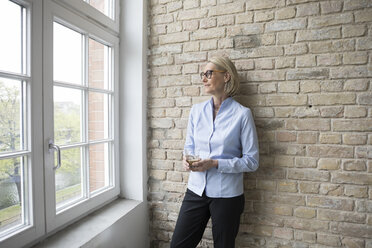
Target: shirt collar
[225, 102]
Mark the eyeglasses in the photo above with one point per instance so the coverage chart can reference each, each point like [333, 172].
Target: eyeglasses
[208, 73]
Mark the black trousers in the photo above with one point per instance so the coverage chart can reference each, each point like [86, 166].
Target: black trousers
[195, 213]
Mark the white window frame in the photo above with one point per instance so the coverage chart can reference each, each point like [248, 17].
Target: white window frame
[36, 227]
[87, 10]
[43, 220]
[52, 12]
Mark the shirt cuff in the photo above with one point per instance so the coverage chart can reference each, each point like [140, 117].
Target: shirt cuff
[223, 166]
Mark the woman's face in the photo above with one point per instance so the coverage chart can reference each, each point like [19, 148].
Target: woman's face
[216, 84]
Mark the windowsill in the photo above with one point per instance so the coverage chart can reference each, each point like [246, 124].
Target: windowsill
[86, 229]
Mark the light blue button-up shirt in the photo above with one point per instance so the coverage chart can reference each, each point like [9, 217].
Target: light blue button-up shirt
[231, 139]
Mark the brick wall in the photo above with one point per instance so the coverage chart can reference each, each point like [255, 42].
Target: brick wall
[96, 115]
[305, 69]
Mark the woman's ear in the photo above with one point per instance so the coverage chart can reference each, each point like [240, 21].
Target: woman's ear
[227, 77]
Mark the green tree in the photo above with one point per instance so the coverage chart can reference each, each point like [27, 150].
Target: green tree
[67, 130]
[10, 130]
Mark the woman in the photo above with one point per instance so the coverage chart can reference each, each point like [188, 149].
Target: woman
[223, 133]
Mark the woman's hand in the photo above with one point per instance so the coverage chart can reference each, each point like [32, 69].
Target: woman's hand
[202, 165]
[185, 164]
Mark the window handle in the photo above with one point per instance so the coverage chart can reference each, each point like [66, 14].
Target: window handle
[53, 146]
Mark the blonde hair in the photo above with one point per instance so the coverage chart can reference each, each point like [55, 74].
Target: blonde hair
[225, 64]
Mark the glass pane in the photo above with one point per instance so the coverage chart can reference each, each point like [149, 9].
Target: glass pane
[98, 166]
[67, 55]
[11, 36]
[99, 61]
[10, 115]
[98, 116]
[11, 193]
[67, 115]
[68, 177]
[105, 6]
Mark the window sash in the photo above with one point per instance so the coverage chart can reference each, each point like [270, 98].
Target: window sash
[91, 200]
[32, 151]
[86, 9]
[22, 152]
[85, 138]
[109, 8]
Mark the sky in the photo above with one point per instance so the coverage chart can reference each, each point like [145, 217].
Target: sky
[67, 50]
[10, 42]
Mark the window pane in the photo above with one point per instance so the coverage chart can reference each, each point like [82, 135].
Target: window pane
[68, 177]
[99, 65]
[105, 6]
[98, 116]
[10, 115]
[11, 193]
[67, 115]
[67, 55]
[98, 166]
[11, 36]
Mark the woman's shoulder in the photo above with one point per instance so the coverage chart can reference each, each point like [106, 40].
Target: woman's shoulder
[240, 109]
[200, 105]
